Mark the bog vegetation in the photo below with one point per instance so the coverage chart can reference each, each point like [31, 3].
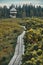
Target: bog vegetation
[9, 31]
[33, 39]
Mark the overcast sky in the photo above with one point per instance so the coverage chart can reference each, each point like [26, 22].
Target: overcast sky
[20, 2]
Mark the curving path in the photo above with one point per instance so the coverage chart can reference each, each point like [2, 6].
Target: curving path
[19, 51]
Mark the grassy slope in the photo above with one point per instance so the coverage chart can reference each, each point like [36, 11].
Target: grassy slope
[33, 42]
[9, 30]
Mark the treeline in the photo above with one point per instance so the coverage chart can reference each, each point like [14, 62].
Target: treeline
[24, 11]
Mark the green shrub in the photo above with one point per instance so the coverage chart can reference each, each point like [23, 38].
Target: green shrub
[35, 47]
[39, 52]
